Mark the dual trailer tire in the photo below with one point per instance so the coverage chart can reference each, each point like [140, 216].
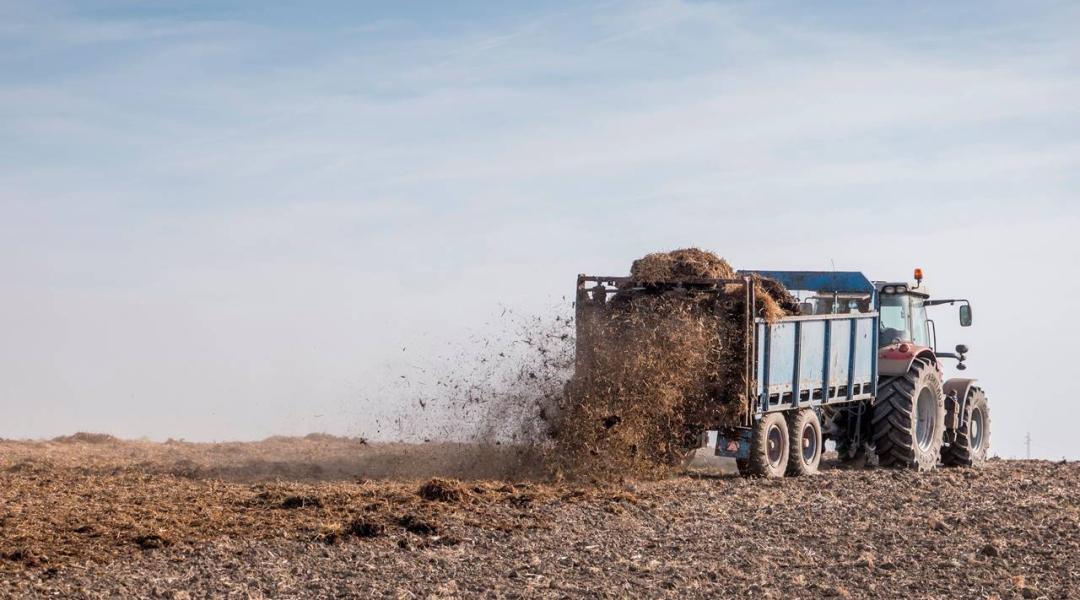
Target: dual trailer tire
[782, 445]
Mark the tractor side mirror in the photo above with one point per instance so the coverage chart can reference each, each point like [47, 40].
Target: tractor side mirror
[965, 315]
[961, 349]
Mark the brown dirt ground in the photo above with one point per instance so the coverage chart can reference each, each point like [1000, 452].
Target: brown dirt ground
[313, 517]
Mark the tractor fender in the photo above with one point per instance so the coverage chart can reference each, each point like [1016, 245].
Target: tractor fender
[956, 393]
[895, 360]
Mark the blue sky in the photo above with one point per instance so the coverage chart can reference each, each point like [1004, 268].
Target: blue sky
[225, 219]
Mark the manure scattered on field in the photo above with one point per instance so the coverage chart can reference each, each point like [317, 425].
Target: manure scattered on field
[151, 541]
[998, 524]
[86, 438]
[418, 525]
[104, 501]
[365, 528]
[301, 501]
[443, 490]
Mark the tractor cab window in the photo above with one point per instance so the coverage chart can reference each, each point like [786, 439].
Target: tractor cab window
[903, 319]
[894, 319]
[920, 333]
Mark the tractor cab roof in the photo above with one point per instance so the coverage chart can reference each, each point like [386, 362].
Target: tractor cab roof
[901, 287]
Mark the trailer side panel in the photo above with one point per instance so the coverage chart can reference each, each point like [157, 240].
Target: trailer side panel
[814, 360]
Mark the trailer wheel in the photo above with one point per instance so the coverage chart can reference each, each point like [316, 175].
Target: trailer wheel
[972, 443]
[769, 448]
[908, 421]
[804, 431]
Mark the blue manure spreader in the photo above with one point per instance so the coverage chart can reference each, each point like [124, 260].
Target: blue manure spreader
[858, 365]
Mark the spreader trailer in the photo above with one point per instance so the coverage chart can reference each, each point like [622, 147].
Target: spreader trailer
[858, 365]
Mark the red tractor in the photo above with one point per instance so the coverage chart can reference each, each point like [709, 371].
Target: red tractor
[919, 418]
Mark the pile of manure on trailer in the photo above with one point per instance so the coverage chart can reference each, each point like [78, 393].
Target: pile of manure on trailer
[659, 366]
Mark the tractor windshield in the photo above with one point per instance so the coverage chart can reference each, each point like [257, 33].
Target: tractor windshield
[903, 319]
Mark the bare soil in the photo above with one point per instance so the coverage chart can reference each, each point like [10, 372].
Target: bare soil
[332, 517]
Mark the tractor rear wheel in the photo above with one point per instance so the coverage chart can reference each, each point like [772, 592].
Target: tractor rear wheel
[908, 422]
[769, 448]
[804, 431]
[972, 443]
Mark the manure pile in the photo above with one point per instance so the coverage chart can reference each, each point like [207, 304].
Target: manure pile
[658, 366]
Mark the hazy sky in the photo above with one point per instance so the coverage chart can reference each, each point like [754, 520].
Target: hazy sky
[222, 220]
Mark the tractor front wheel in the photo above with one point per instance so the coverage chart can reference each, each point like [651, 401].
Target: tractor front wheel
[972, 443]
[908, 421]
[769, 448]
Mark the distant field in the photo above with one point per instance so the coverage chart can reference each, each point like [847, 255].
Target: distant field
[90, 516]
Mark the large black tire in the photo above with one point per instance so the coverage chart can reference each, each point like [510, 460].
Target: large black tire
[972, 443]
[769, 448]
[908, 422]
[804, 432]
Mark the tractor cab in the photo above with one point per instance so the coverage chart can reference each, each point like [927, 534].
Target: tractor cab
[902, 310]
[904, 329]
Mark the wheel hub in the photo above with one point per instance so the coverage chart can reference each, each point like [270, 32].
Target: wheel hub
[975, 429]
[925, 418]
[775, 445]
[809, 442]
